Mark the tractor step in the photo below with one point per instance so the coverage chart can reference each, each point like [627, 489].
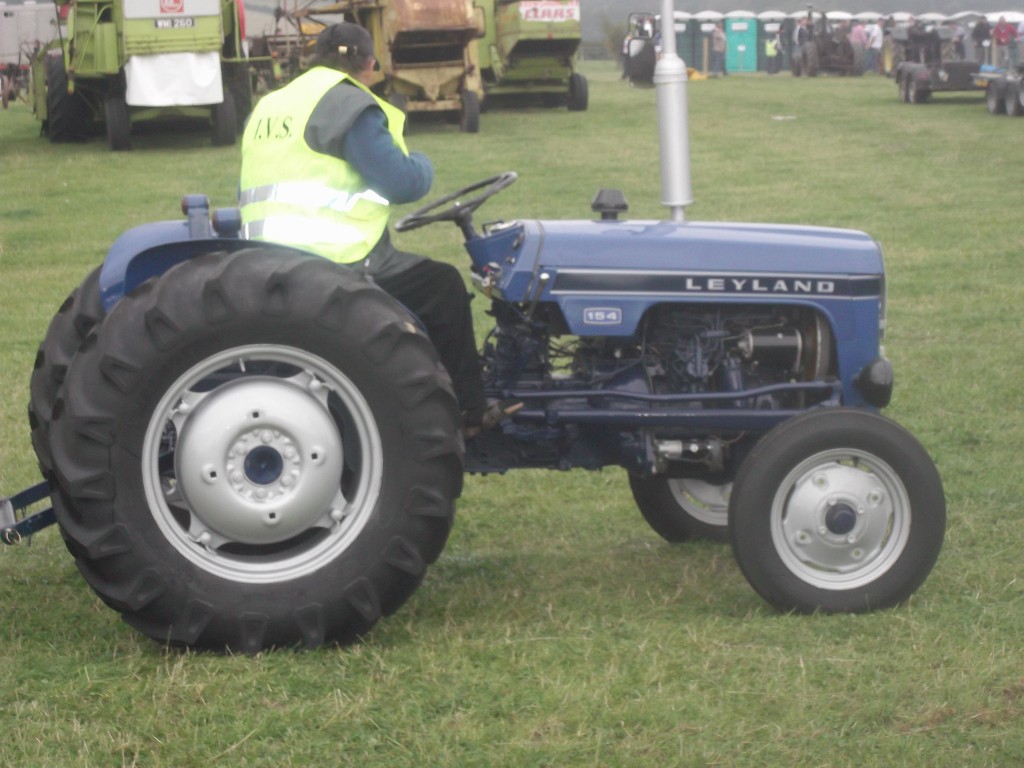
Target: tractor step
[15, 524]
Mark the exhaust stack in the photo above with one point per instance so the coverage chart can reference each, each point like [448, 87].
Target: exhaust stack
[673, 119]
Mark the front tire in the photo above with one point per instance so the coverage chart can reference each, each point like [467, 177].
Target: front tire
[683, 509]
[837, 511]
[256, 450]
[118, 123]
[579, 93]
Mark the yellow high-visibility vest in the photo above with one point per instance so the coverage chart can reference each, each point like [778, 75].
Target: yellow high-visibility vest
[292, 195]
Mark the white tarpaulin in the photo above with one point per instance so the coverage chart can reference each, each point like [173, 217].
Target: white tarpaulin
[174, 79]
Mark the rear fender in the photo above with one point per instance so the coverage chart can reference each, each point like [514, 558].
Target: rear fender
[126, 266]
[151, 249]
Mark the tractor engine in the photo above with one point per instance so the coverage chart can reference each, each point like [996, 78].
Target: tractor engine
[679, 354]
[689, 350]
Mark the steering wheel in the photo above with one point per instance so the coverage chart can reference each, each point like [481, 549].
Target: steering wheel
[457, 210]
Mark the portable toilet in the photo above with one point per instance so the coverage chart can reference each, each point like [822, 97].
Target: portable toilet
[703, 23]
[741, 54]
[769, 24]
[689, 44]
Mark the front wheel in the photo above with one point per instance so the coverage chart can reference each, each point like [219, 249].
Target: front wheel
[579, 93]
[837, 511]
[681, 509]
[119, 124]
[255, 450]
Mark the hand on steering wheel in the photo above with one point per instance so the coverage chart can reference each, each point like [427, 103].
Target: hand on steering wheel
[457, 210]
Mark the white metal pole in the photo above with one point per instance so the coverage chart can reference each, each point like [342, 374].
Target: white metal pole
[673, 120]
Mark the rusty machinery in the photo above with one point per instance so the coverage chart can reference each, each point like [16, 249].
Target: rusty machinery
[427, 51]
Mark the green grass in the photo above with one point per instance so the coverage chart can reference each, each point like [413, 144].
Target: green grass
[557, 629]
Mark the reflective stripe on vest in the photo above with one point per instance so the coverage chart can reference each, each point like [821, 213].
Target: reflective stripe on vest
[295, 196]
[309, 193]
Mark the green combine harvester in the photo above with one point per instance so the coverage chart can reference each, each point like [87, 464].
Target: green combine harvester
[530, 49]
[118, 62]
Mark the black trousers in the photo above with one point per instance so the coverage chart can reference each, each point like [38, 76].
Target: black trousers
[435, 293]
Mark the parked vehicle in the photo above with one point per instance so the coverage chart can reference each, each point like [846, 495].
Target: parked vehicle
[828, 50]
[1004, 90]
[530, 49]
[122, 62]
[925, 62]
[427, 51]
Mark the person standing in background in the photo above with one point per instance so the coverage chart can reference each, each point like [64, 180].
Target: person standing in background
[873, 52]
[981, 35]
[718, 47]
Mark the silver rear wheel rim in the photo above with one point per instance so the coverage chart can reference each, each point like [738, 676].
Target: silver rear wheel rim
[295, 476]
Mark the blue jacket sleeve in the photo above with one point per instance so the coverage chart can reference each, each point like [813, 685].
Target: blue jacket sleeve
[370, 149]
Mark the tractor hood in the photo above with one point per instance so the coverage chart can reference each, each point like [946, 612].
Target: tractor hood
[608, 273]
[659, 257]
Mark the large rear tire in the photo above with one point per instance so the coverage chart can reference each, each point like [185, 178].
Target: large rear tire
[77, 316]
[837, 511]
[257, 449]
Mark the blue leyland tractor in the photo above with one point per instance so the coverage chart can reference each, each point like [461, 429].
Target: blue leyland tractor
[247, 446]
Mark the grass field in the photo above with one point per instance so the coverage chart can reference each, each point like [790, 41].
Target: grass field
[557, 629]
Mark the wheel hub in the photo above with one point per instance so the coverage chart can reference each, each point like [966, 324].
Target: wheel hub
[841, 521]
[258, 460]
[263, 465]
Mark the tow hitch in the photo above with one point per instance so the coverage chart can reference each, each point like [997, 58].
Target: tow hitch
[16, 523]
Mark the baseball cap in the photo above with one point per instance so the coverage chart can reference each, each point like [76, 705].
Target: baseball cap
[346, 39]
